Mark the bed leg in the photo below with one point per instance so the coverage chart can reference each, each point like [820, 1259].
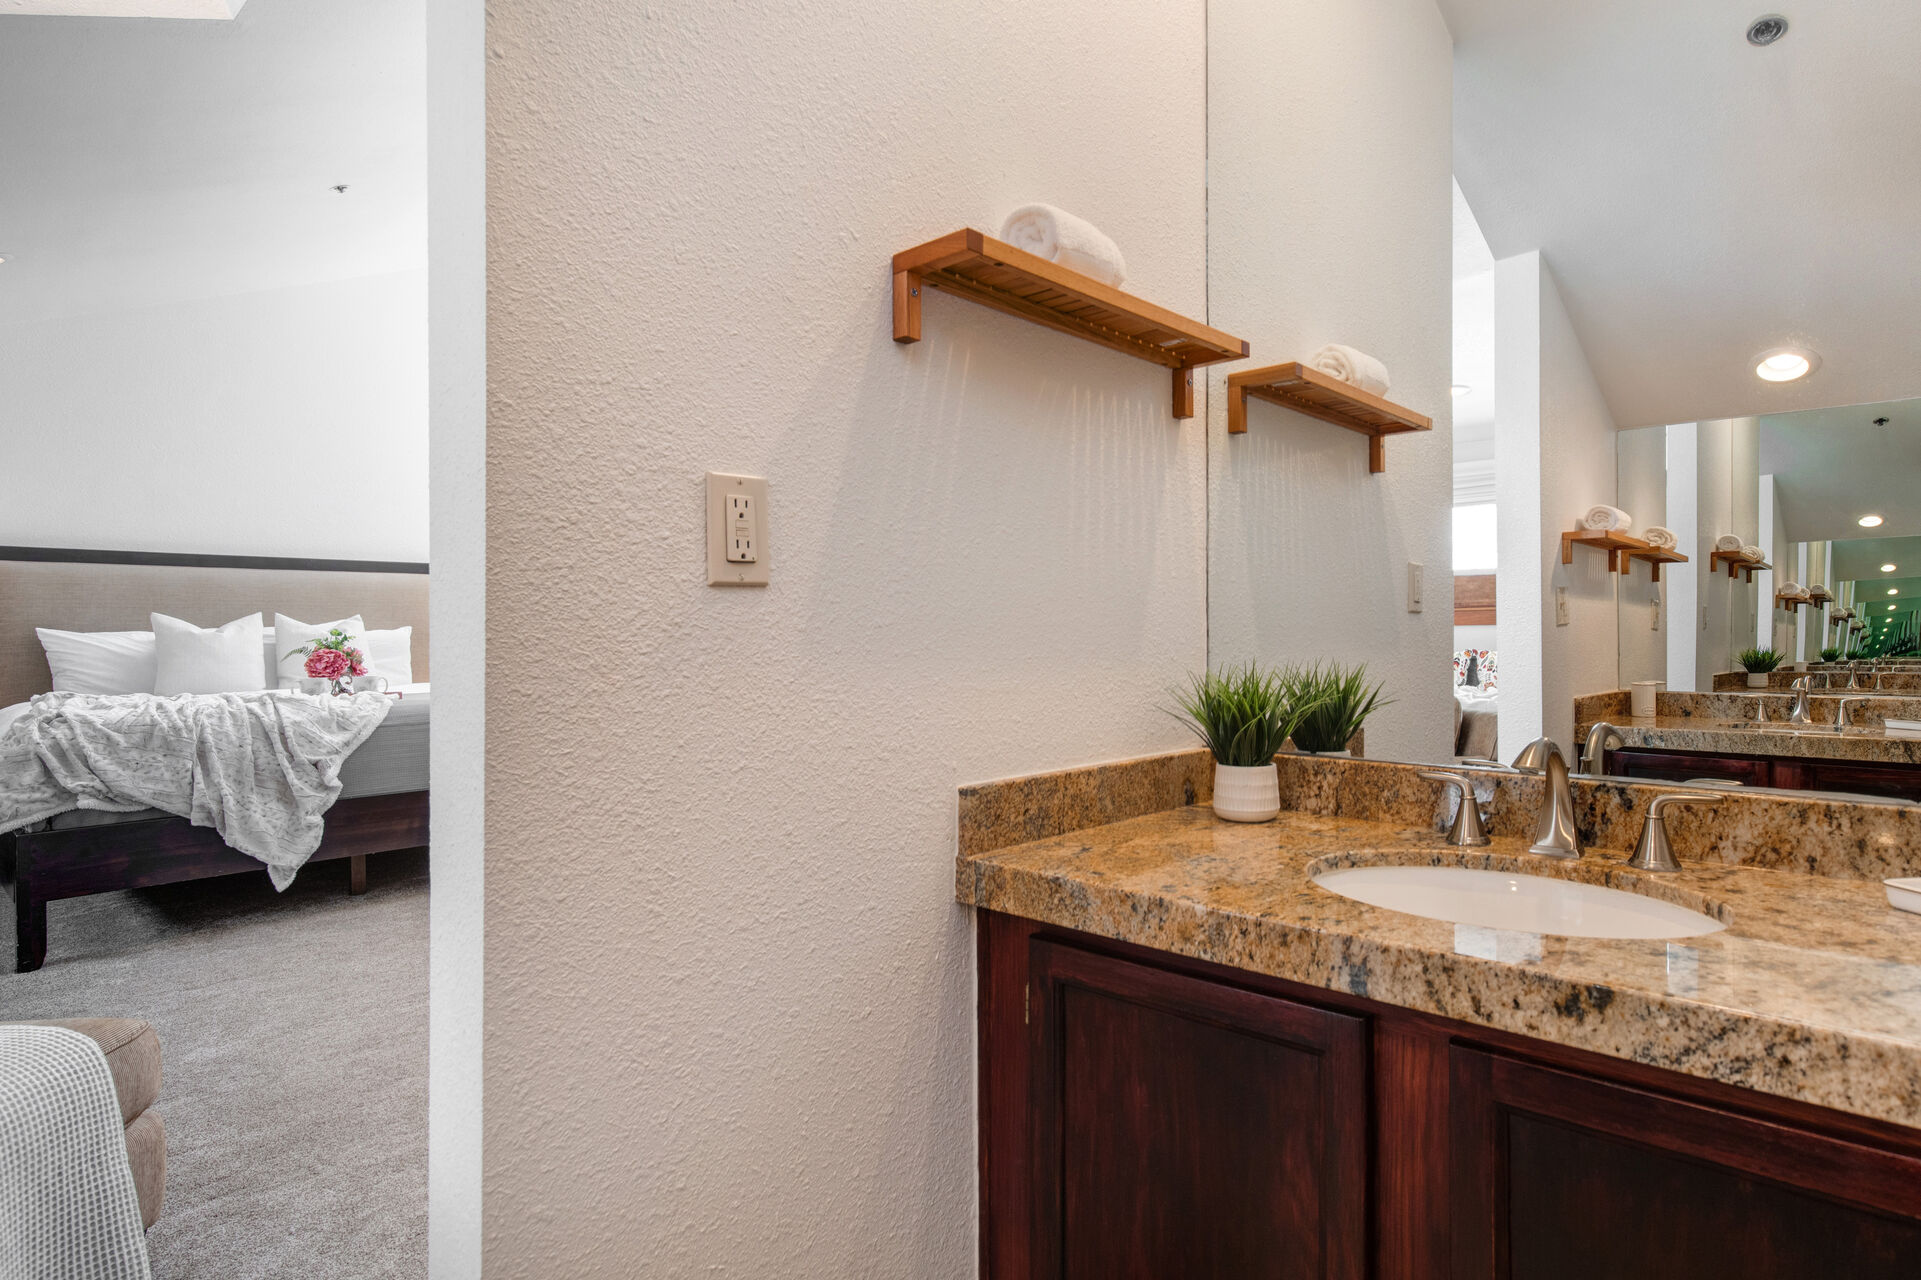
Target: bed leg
[29, 930]
[357, 873]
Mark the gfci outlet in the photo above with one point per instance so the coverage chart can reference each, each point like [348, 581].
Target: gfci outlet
[736, 530]
[1414, 582]
[1560, 606]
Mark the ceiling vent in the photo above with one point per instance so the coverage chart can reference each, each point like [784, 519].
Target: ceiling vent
[1767, 29]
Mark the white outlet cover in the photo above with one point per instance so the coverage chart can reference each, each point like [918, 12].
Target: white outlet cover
[720, 571]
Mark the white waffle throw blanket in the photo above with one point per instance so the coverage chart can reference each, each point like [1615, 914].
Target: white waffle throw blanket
[68, 1208]
[262, 769]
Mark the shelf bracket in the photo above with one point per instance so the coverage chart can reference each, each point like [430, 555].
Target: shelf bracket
[1183, 391]
[907, 306]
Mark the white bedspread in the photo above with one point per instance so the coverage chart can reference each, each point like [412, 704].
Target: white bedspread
[70, 1211]
[262, 769]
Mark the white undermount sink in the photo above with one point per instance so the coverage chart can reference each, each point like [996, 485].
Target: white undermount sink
[1522, 903]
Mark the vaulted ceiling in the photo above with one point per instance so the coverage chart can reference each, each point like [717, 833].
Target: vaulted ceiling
[1701, 200]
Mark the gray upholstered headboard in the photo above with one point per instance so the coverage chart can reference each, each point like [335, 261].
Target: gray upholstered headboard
[116, 590]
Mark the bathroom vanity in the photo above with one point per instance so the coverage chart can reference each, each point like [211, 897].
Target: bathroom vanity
[1747, 738]
[1196, 1061]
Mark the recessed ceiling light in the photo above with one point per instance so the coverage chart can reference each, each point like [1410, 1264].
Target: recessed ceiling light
[1868, 522]
[1894, 591]
[1889, 568]
[1766, 29]
[1459, 389]
[1890, 608]
[1783, 365]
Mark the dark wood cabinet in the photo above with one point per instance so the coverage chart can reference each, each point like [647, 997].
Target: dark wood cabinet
[1145, 1115]
[1558, 1176]
[1187, 1128]
[1860, 777]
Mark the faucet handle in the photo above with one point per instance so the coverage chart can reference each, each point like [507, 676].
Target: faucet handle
[1652, 853]
[1467, 830]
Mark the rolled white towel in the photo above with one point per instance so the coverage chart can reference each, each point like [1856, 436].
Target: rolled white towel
[1656, 536]
[1728, 542]
[1794, 589]
[1751, 552]
[1353, 368]
[1059, 236]
[1356, 368]
[1606, 517]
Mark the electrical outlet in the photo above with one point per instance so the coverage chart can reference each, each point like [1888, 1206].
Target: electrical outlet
[737, 554]
[1416, 576]
[1560, 606]
[1654, 615]
[740, 529]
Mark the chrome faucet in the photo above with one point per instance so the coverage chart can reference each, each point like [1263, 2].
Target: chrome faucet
[1555, 835]
[1799, 715]
[1854, 675]
[1467, 830]
[1652, 853]
[1595, 748]
[1841, 708]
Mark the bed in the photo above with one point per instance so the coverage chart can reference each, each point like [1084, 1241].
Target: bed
[384, 798]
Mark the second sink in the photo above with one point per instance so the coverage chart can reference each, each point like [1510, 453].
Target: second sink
[1523, 903]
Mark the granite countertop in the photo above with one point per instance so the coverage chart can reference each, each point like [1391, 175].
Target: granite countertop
[1812, 992]
[1749, 738]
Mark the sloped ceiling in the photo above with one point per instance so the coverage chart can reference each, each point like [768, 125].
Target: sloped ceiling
[1835, 465]
[1701, 200]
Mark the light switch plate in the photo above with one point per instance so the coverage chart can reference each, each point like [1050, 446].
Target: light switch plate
[1560, 606]
[1415, 577]
[737, 546]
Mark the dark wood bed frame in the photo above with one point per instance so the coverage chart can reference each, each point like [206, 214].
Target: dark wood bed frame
[46, 866]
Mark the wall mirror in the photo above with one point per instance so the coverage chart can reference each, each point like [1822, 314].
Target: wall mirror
[1617, 348]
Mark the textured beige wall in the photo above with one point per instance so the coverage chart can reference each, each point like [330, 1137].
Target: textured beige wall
[729, 1022]
[1329, 220]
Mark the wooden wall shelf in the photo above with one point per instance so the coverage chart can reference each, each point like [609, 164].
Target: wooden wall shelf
[1790, 602]
[974, 265]
[1655, 556]
[1319, 395]
[1735, 564]
[1606, 540]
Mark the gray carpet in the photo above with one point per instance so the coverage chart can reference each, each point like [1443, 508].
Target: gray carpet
[294, 1034]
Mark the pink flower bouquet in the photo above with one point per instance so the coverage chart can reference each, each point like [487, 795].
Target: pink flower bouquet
[330, 657]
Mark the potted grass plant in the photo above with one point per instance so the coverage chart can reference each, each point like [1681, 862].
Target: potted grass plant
[1334, 702]
[1830, 654]
[1243, 716]
[1759, 662]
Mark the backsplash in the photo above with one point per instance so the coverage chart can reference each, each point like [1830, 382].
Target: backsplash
[1745, 706]
[1908, 682]
[1804, 833]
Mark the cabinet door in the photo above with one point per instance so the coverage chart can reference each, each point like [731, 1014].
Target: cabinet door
[1902, 782]
[1561, 1177]
[1681, 766]
[1185, 1128]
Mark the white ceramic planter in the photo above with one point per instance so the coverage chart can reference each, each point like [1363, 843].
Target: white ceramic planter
[1250, 794]
[1757, 679]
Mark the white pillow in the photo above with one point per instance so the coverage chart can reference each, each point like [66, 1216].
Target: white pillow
[389, 654]
[290, 634]
[99, 661]
[190, 659]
